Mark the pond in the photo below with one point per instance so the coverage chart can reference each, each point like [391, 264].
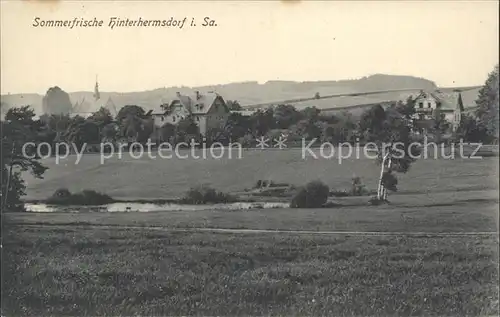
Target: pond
[151, 207]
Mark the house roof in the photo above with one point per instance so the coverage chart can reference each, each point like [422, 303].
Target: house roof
[200, 104]
[451, 99]
[92, 105]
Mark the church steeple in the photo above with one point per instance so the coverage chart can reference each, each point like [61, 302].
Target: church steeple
[460, 103]
[97, 95]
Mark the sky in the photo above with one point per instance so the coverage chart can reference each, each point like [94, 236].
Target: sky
[454, 43]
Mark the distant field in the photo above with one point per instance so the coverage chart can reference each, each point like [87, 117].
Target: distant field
[128, 178]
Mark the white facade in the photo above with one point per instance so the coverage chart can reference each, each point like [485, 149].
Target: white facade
[208, 111]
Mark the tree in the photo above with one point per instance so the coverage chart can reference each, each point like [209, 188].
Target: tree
[237, 126]
[186, 130]
[17, 129]
[56, 122]
[406, 109]
[82, 132]
[110, 132]
[167, 132]
[371, 124]
[233, 105]
[487, 102]
[311, 113]
[134, 123]
[344, 128]
[130, 110]
[285, 116]
[395, 154]
[262, 121]
[471, 130]
[56, 101]
[308, 128]
[439, 125]
[101, 117]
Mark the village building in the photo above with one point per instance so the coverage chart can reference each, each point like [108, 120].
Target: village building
[209, 111]
[86, 107]
[245, 113]
[451, 105]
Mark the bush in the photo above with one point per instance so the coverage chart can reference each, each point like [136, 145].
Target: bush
[390, 181]
[357, 189]
[313, 195]
[62, 193]
[269, 183]
[85, 198]
[374, 201]
[206, 195]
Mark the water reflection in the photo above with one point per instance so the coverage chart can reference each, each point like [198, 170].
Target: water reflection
[150, 207]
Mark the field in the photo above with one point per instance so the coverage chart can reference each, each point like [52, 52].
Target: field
[147, 178]
[433, 251]
[387, 261]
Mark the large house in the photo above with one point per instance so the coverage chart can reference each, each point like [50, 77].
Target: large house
[451, 104]
[209, 111]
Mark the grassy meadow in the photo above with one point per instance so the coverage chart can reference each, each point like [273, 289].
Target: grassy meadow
[432, 252]
[77, 269]
[147, 178]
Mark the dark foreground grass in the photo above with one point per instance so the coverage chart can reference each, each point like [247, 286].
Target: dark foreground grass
[96, 272]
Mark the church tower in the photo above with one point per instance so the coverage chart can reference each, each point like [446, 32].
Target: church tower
[97, 95]
[457, 113]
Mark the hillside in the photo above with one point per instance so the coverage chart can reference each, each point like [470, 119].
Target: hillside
[247, 93]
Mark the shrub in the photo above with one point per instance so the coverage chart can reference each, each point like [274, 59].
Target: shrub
[206, 195]
[63, 196]
[374, 201]
[269, 183]
[390, 181]
[62, 193]
[313, 195]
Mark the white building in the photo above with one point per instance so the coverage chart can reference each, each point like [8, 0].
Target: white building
[209, 111]
[451, 104]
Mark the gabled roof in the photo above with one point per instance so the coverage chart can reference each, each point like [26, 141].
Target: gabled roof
[203, 103]
[451, 99]
[92, 105]
[110, 105]
[198, 104]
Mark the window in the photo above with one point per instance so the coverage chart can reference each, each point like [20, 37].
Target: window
[420, 104]
[173, 119]
[162, 118]
[197, 118]
[428, 105]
